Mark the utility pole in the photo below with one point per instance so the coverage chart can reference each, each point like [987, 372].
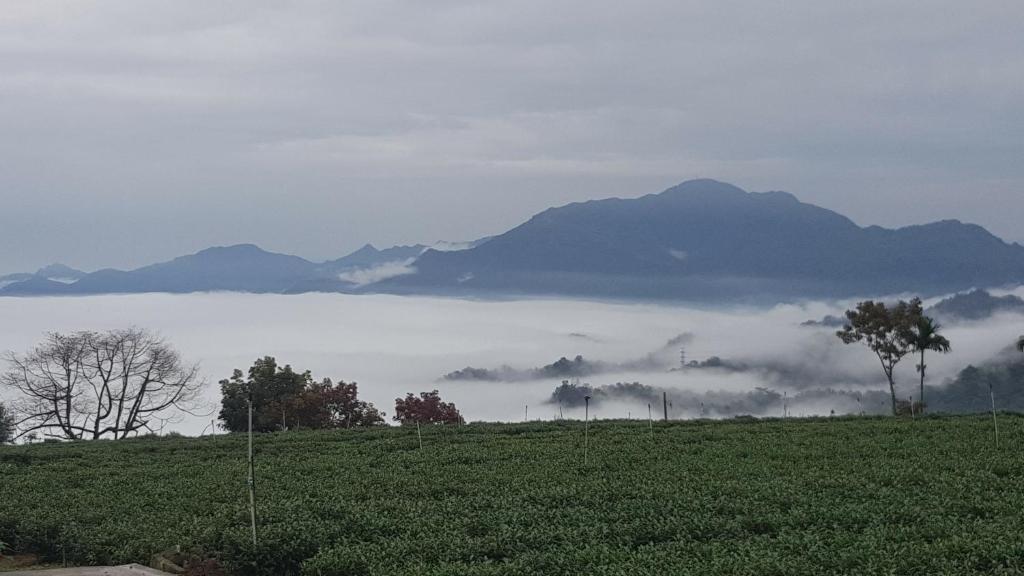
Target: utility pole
[664, 402]
[252, 478]
[995, 422]
[586, 427]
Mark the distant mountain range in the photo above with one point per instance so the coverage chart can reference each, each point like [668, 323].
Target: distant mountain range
[58, 273]
[702, 240]
[239, 268]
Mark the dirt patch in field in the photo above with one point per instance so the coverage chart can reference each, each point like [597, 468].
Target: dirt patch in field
[33, 569]
[18, 562]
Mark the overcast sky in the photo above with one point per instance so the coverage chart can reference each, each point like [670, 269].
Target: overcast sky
[134, 131]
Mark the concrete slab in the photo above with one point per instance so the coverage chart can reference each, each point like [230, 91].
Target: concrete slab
[126, 570]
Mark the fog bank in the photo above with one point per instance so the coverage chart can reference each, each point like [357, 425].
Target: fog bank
[393, 345]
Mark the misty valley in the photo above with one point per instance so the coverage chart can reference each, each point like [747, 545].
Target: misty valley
[507, 360]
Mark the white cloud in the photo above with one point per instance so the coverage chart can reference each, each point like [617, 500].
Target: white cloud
[392, 345]
[364, 276]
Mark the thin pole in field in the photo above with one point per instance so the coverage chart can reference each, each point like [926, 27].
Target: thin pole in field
[586, 427]
[252, 478]
[650, 420]
[419, 434]
[526, 416]
[664, 402]
[995, 422]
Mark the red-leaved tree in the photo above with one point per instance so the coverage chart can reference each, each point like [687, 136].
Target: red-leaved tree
[427, 408]
[329, 405]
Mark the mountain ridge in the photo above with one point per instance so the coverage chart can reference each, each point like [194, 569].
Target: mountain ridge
[701, 240]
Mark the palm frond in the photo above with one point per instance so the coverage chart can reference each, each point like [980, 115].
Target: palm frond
[925, 336]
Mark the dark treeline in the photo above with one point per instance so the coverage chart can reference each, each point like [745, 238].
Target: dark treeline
[967, 392]
[285, 399]
[717, 403]
[577, 367]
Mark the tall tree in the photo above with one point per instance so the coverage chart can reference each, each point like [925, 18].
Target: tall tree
[924, 337]
[6, 425]
[886, 330]
[273, 390]
[91, 385]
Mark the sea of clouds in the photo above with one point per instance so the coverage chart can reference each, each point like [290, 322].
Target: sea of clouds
[392, 345]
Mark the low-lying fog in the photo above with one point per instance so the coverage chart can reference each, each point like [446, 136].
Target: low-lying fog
[393, 345]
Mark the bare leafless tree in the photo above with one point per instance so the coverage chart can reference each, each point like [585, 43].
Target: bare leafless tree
[91, 385]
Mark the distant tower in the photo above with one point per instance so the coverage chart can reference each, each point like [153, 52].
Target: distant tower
[682, 357]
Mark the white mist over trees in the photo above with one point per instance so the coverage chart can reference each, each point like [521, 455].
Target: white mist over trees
[395, 345]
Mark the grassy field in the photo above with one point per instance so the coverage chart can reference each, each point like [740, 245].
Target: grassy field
[825, 496]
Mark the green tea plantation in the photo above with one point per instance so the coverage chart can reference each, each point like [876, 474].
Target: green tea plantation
[819, 496]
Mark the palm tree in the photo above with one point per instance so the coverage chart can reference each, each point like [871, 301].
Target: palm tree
[924, 337]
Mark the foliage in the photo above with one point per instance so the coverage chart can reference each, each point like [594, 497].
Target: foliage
[6, 424]
[100, 385]
[563, 367]
[328, 405]
[283, 399]
[976, 305]
[886, 330]
[969, 390]
[428, 408]
[824, 496]
[925, 337]
[270, 387]
[572, 395]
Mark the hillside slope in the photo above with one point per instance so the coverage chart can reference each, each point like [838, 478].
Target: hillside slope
[709, 240]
